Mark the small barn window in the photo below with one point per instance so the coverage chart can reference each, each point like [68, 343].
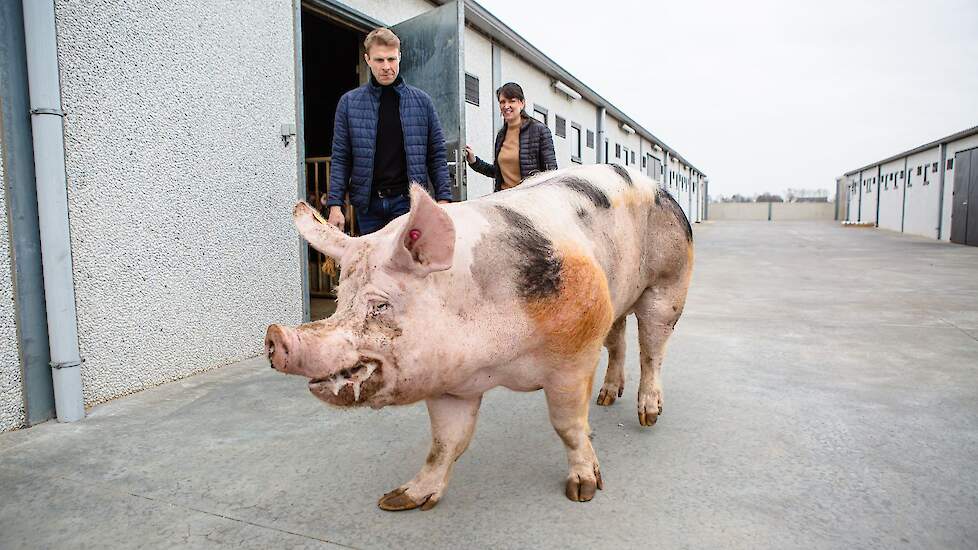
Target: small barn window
[540, 113]
[633, 157]
[590, 139]
[617, 150]
[575, 142]
[920, 170]
[901, 175]
[950, 164]
[934, 168]
[472, 89]
[561, 126]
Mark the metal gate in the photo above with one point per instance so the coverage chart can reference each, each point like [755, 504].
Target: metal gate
[323, 270]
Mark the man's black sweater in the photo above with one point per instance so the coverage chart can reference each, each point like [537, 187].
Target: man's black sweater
[390, 164]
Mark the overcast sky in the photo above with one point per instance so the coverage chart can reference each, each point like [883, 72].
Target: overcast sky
[767, 95]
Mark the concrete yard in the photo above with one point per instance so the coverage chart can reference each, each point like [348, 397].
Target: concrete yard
[821, 391]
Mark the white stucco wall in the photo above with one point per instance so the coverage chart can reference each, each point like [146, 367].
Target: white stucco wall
[179, 187]
[922, 198]
[870, 188]
[891, 195]
[388, 12]
[11, 399]
[478, 120]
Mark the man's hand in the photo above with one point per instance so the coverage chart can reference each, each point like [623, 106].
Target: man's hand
[469, 154]
[336, 217]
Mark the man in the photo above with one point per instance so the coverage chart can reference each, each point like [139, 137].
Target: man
[386, 135]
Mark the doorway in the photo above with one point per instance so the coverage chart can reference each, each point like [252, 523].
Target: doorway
[332, 50]
[330, 68]
[964, 198]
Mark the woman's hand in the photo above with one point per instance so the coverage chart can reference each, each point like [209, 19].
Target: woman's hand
[469, 154]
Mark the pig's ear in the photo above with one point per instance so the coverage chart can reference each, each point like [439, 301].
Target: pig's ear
[426, 243]
[321, 235]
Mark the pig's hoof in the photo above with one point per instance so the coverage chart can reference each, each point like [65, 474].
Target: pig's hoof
[581, 488]
[649, 408]
[607, 396]
[398, 501]
[649, 417]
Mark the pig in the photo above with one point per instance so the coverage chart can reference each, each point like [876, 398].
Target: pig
[519, 289]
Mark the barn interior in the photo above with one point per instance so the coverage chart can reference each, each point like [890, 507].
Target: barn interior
[331, 66]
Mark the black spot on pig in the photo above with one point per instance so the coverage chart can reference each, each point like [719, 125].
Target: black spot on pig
[537, 263]
[622, 173]
[584, 187]
[664, 199]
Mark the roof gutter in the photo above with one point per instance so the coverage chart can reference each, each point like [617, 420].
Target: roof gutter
[480, 18]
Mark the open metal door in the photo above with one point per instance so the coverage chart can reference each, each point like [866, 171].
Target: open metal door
[432, 60]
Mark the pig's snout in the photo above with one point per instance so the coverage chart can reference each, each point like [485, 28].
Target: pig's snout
[282, 349]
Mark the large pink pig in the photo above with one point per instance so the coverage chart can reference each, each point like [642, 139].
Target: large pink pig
[518, 289]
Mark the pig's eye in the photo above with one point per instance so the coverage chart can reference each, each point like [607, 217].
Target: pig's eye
[380, 308]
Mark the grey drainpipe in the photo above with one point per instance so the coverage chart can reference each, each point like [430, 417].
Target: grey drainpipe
[879, 178]
[941, 168]
[600, 137]
[52, 205]
[903, 198]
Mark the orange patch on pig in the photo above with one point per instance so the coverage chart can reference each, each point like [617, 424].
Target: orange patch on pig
[580, 314]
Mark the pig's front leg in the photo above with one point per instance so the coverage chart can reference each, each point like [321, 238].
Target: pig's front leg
[567, 401]
[452, 425]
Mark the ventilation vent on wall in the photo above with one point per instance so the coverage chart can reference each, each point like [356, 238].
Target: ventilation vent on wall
[561, 126]
[472, 89]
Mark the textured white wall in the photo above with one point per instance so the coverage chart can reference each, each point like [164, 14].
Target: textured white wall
[478, 120]
[180, 189]
[922, 198]
[11, 399]
[891, 196]
[869, 195]
[388, 12]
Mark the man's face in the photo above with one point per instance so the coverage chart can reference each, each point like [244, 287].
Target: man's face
[384, 62]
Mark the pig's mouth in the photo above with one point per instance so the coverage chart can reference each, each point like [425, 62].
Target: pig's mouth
[354, 377]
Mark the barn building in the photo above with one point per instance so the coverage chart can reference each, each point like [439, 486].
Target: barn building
[930, 190]
[152, 151]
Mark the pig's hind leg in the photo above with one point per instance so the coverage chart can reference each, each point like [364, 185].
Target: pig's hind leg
[658, 310]
[452, 425]
[567, 401]
[614, 377]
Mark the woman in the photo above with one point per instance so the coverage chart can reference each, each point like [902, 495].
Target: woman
[524, 145]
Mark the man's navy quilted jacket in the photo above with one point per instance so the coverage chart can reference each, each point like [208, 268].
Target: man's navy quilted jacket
[355, 137]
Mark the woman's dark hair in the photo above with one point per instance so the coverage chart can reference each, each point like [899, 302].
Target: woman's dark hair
[511, 90]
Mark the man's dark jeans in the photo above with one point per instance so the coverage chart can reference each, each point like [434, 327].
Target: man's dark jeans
[381, 211]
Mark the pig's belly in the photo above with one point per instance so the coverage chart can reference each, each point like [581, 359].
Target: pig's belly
[520, 375]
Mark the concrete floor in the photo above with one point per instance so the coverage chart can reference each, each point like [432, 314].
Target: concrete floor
[821, 391]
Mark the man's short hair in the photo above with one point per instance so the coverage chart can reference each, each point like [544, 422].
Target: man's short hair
[381, 37]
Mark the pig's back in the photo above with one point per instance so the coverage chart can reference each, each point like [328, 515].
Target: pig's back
[559, 225]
